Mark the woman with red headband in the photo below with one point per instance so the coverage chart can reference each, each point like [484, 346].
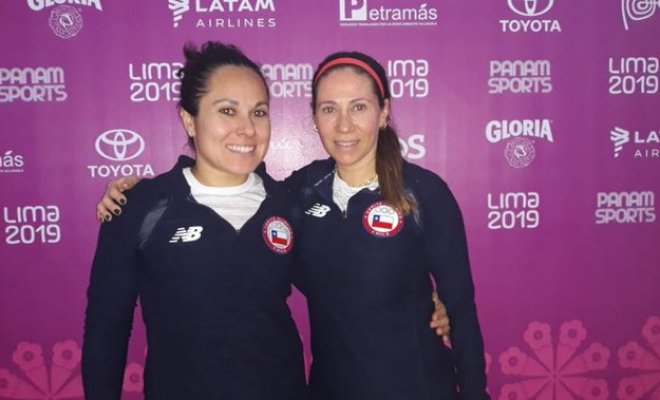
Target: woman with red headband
[365, 261]
[373, 229]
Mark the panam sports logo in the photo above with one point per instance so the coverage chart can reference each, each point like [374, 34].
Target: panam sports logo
[32, 85]
[378, 14]
[223, 14]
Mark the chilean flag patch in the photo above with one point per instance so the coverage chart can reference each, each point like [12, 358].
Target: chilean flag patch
[278, 235]
[382, 220]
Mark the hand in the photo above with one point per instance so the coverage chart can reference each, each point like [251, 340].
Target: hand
[113, 198]
[439, 319]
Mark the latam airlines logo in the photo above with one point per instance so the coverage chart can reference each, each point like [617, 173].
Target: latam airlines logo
[646, 145]
[530, 10]
[358, 13]
[520, 150]
[225, 13]
[65, 20]
[119, 145]
[638, 10]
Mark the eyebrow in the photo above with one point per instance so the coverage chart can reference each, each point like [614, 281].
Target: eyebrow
[236, 102]
[352, 101]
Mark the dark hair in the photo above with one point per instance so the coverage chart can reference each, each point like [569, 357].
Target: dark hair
[389, 161]
[201, 64]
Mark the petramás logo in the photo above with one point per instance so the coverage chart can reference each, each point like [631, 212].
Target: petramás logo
[360, 13]
[520, 136]
[32, 85]
[226, 14]
[530, 10]
[120, 146]
[65, 20]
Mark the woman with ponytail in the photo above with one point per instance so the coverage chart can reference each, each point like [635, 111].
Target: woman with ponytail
[373, 231]
[370, 228]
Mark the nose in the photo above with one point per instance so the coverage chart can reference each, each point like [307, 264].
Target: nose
[344, 121]
[246, 127]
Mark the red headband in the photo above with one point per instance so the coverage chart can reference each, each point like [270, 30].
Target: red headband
[358, 63]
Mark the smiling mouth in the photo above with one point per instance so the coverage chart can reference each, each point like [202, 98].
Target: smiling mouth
[346, 144]
[234, 148]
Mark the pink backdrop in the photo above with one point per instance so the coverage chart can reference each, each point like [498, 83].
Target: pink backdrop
[542, 115]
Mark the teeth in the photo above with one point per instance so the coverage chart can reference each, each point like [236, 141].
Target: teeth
[240, 149]
[346, 144]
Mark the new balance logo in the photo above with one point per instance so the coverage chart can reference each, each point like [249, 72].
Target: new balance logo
[187, 235]
[318, 210]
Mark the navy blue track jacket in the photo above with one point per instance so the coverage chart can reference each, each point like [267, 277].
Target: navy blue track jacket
[366, 277]
[213, 299]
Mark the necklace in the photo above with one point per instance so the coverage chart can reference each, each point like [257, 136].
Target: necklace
[366, 183]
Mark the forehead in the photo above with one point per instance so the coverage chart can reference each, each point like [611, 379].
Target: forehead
[346, 79]
[235, 78]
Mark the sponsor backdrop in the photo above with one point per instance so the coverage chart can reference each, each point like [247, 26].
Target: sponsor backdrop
[542, 115]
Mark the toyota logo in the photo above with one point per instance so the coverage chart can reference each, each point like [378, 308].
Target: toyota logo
[529, 8]
[119, 145]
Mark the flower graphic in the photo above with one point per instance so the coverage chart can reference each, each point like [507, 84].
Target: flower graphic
[28, 356]
[555, 370]
[66, 354]
[644, 362]
[134, 378]
[8, 383]
[38, 381]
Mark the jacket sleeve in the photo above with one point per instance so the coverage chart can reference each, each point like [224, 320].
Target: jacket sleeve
[111, 298]
[447, 258]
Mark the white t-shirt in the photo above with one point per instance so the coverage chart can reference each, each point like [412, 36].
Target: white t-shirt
[236, 204]
[342, 192]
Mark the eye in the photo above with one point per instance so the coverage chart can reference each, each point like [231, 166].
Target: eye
[327, 109]
[260, 113]
[360, 107]
[227, 111]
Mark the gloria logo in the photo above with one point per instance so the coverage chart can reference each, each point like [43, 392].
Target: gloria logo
[32, 85]
[645, 145]
[530, 10]
[228, 14]
[65, 20]
[638, 10]
[520, 150]
[358, 13]
[119, 145]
